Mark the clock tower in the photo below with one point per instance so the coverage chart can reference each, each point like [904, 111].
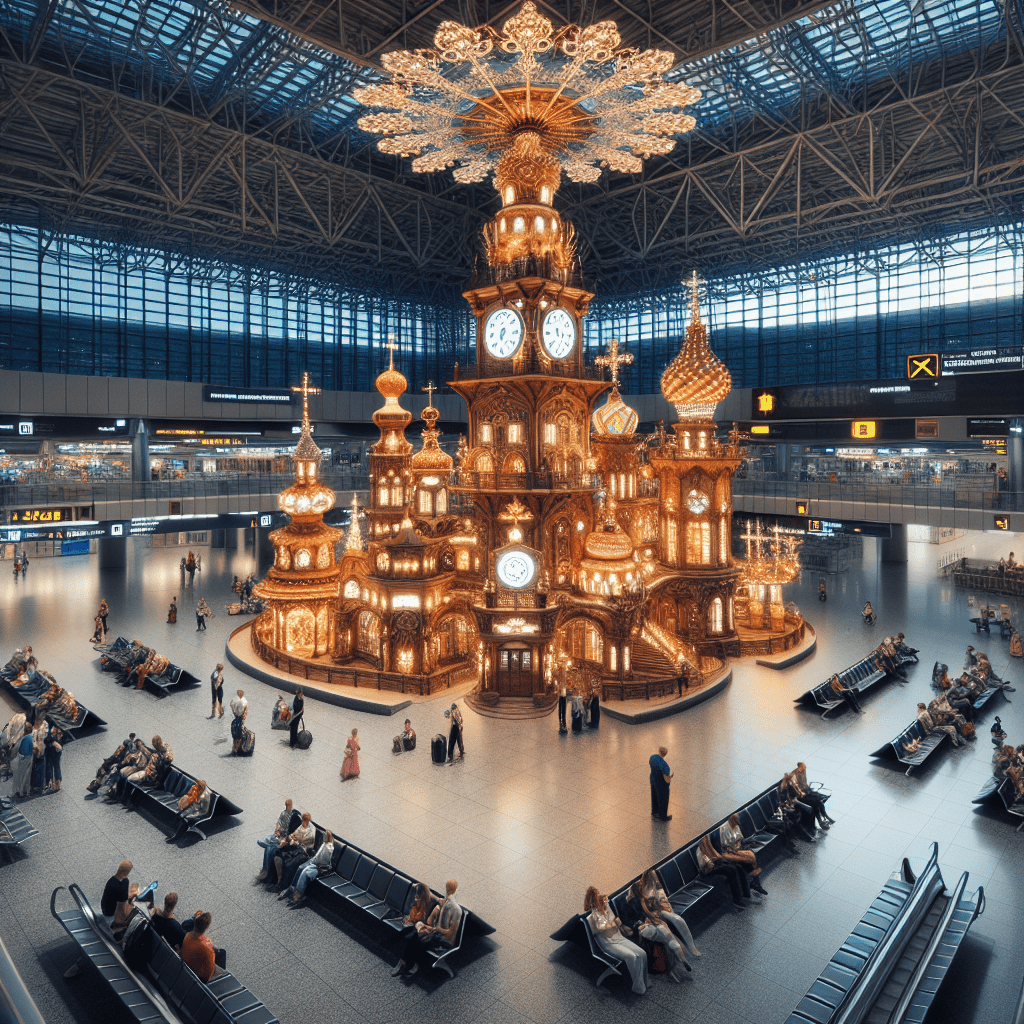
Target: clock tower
[530, 399]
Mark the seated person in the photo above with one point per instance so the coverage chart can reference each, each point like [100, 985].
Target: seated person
[958, 697]
[166, 925]
[610, 935]
[281, 715]
[943, 714]
[846, 693]
[730, 838]
[712, 865]
[198, 951]
[1003, 758]
[809, 796]
[288, 821]
[293, 851]
[997, 732]
[133, 763]
[318, 864]
[118, 894]
[651, 930]
[658, 902]
[868, 613]
[405, 740]
[193, 806]
[791, 796]
[422, 911]
[1016, 773]
[930, 725]
[158, 766]
[904, 650]
[114, 762]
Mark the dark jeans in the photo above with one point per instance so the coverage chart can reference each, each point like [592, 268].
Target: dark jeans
[293, 729]
[735, 876]
[455, 736]
[561, 714]
[659, 797]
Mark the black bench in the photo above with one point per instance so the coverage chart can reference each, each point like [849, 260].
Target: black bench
[14, 827]
[860, 677]
[35, 687]
[376, 894]
[102, 951]
[680, 875]
[1002, 793]
[174, 787]
[123, 657]
[220, 1000]
[891, 966]
[915, 731]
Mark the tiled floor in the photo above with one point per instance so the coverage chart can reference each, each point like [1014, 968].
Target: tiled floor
[525, 823]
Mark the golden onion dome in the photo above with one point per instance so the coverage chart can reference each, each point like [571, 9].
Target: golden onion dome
[306, 499]
[391, 383]
[696, 380]
[431, 457]
[614, 418]
[608, 543]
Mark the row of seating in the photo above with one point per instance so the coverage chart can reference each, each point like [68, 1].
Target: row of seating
[127, 658]
[167, 990]
[35, 688]
[175, 786]
[860, 677]
[890, 968]
[928, 741]
[1002, 793]
[377, 894]
[680, 875]
[14, 827]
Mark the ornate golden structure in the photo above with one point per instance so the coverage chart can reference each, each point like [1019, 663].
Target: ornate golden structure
[773, 560]
[561, 536]
[301, 589]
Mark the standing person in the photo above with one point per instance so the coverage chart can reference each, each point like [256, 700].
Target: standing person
[182, 567]
[350, 766]
[40, 732]
[869, 613]
[199, 563]
[190, 568]
[53, 750]
[296, 722]
[172, 612]
[24, 564]
[455, 733]
[243, 737]
[822, 594]
[23, 765]
[103, 613]
[562, 730]
[97, 633]
[661, 779]
[217, 691]
[202, 614]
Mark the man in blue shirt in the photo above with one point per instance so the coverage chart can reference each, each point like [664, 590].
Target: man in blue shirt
[661, 777]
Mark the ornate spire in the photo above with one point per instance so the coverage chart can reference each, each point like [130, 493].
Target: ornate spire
[306, 451]
[614, 417]
[430, 456]
[696, 380]
[354, 537]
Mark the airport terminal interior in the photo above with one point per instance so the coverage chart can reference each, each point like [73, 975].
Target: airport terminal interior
[520, 411]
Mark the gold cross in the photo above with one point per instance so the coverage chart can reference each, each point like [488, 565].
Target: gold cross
[391, 344]
[695, 282]
[614, 359]
[306, 389]
[430, 389]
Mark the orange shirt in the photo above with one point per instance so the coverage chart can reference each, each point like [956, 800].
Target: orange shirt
[197, 952]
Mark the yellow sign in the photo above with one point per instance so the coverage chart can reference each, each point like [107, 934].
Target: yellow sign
[1002, 522]
[760, 429]
[923, 366]
[766, 402]
[864, 428]
[801, 508]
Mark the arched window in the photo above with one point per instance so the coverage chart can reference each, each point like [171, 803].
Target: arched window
[723, 541]
[442, 502]
[519, 225]
[484, 433]
[538, 224]
[368, 638]
[351, 588]
[715, 616]
[510, 194]
[424, 502]
[698, 543]
[484, 464]
[396, 492]
[514, 464]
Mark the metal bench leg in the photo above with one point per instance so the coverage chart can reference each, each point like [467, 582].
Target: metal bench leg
[909, 770]
[192, 828]
[605, 974]
[443, 966]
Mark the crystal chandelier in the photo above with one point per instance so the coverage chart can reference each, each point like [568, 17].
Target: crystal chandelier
[562, 100]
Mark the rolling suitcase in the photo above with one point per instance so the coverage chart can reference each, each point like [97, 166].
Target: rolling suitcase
[439, 749]
[303, 740]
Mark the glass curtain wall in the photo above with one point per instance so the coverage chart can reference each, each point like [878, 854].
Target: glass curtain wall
[849, 318]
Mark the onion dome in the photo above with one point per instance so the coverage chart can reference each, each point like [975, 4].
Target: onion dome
[431, 457]
[614, 418]
[609, 563]
[392, 383]
[696, 380]
[307, 496]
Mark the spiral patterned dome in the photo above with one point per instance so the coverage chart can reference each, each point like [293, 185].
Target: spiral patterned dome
[696, 380]
[614, 417]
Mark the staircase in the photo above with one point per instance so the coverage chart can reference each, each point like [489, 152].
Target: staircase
[667, 644]
[648, 660]
[510, 707]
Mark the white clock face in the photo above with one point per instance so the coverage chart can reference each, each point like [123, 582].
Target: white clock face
[515, 569]
[697, 502]
[558, 333]
[503, 333]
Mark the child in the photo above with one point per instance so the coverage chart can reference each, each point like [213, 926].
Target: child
[997, 733]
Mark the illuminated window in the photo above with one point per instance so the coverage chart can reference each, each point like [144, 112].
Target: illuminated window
[723, 540]
[715, 616]
[462, 561]
[519, 225]
[323, 557]
[671, 541]
[510, 195]
[303, 559]
[612, 659]
[396, 493]
[515, 433]
[442, 501]
[538, 224]
[424, 502]
[698, 543]
[545, 194]
[484, 433]
[484, 464]
[351, 588]
[550, 433]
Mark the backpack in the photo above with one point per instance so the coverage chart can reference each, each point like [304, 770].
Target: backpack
[137, 941]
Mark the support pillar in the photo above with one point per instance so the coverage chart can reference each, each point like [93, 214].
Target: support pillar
[265, 553]
[1015, 458]
[140, 452]
[113, 552]
[234, 539]
[894, 548]
[782, 461]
